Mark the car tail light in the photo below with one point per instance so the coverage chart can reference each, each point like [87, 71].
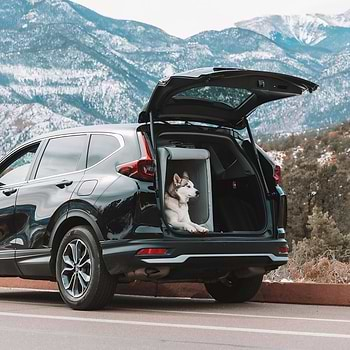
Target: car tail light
[143, 168]
[283, 250]
[277, 174]
[152, 251]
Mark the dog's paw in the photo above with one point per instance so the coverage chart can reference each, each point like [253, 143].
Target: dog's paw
[201, 229]
[190, 229]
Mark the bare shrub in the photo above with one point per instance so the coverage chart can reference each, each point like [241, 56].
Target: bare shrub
[322, 270]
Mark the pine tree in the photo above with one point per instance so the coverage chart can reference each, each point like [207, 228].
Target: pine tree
[325, 237]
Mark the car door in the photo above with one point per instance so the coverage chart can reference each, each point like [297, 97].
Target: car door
[14, 171]
[45, 198]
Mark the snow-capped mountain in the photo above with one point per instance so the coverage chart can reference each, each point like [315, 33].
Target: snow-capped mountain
[340, 20]
[63, 65]
[309, 29]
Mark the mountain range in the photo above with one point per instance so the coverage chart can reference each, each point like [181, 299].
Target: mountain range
[63, 65]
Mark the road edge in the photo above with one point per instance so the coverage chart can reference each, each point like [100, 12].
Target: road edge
[287, 293]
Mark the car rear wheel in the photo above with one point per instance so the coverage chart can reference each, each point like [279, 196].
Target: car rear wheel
[233, 289]
[83, 281]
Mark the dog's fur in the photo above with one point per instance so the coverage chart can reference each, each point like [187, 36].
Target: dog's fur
[176, 200]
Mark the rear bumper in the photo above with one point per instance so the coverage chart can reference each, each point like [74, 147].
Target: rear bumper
[194, 259]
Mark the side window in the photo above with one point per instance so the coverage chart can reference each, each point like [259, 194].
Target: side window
[100, 147]
[62, 155]
[16, 169]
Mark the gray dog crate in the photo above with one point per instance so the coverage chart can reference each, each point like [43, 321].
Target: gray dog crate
[196, 162]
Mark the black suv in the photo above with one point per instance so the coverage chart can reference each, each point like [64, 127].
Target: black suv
[85, 206]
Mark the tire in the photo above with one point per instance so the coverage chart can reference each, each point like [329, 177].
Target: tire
[83, 280]
[234, 290]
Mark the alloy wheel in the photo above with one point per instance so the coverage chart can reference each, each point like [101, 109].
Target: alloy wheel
[76, 268]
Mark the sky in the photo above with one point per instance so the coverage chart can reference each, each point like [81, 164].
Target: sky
[184, 18]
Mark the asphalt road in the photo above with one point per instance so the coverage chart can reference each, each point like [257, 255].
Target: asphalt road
[39, 320]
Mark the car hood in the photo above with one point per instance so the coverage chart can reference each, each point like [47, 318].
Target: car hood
[221, 96]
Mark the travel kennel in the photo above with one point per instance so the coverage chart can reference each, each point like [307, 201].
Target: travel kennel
[196, 162]
[234, 198]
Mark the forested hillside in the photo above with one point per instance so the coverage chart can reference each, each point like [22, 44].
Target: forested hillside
[316, 177]
[63, 65]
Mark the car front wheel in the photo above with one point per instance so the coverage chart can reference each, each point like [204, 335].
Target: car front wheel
[233, 289]
[83, 281]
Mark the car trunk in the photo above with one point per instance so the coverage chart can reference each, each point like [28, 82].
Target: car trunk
[236, 189]
[232, 199]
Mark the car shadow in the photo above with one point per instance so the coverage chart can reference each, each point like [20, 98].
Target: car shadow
[125, 302]
[31, 296]
[175, 304]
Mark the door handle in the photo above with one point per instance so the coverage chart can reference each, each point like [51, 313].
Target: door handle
[64, 183]
[9, 191]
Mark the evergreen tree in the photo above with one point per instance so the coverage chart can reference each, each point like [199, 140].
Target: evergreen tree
[325, 237]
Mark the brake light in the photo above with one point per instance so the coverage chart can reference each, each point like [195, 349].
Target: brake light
[277, 174]
[152, 251]
[283, 250]
[143, 168]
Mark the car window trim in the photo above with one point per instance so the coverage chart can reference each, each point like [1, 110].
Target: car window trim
[40, 151]
[32, 179]
[117, 136]
[54, 176]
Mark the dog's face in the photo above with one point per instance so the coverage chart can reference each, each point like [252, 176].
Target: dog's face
[183, 188]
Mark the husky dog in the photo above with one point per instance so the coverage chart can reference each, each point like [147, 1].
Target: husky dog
[176, 200]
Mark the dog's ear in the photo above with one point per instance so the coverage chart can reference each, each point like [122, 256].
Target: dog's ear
[177, 179]
[185, 175]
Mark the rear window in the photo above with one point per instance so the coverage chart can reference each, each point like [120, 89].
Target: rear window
[62, 155]
[101, 146]
[232, 97]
